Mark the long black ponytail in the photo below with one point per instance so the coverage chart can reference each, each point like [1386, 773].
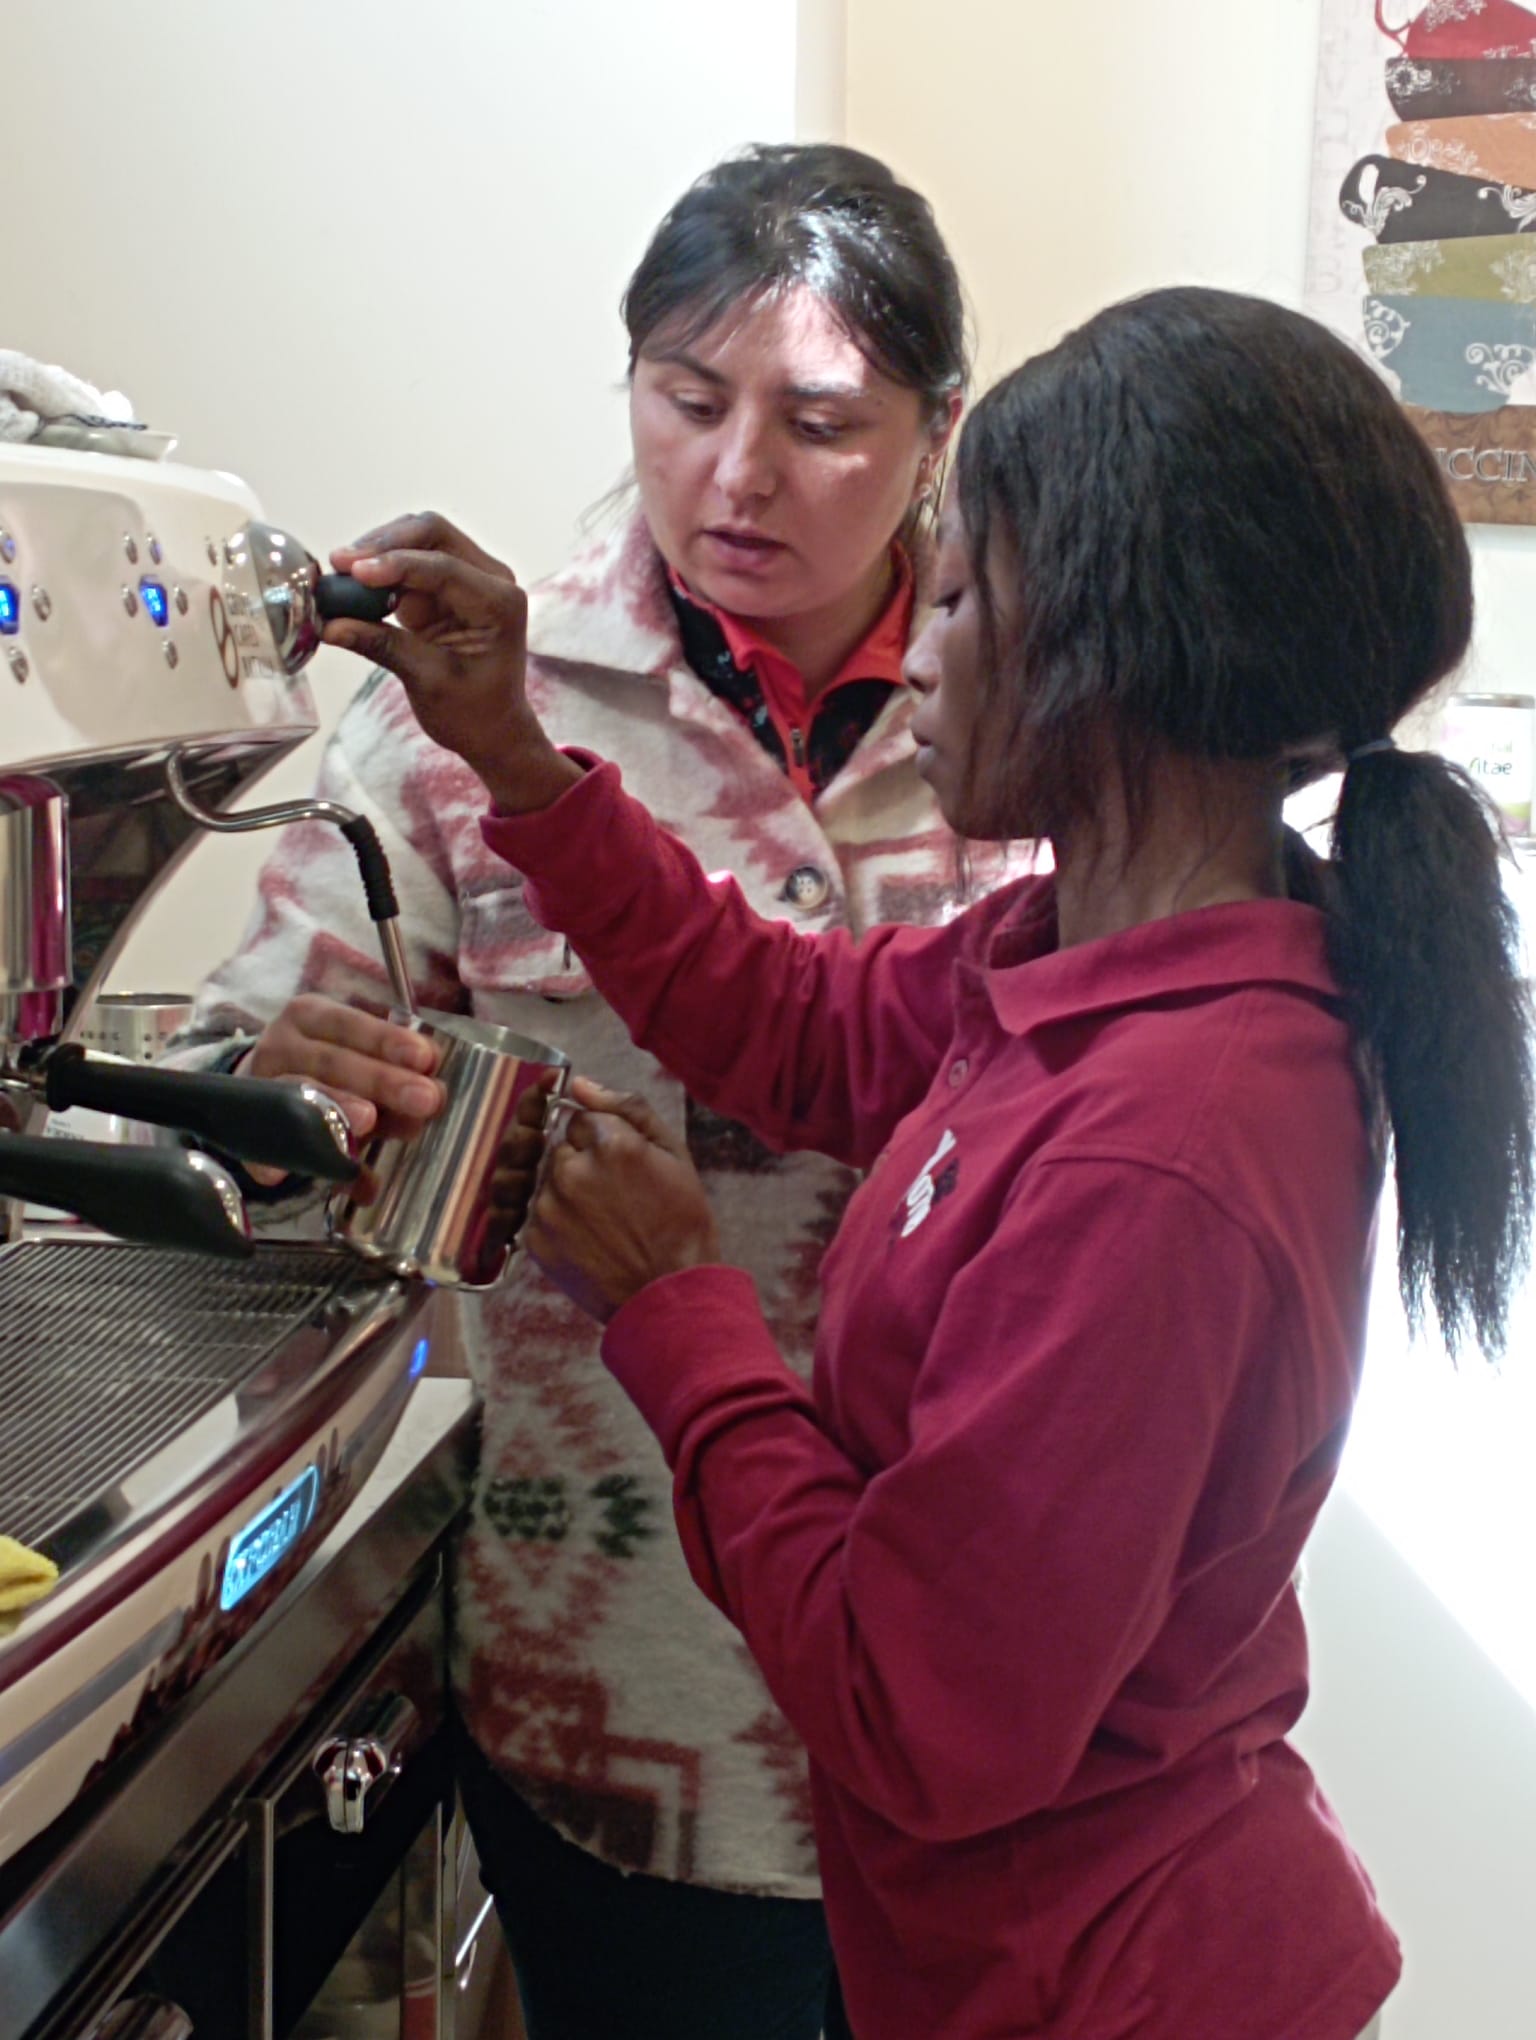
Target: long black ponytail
[1426, 944]
[1230, 542]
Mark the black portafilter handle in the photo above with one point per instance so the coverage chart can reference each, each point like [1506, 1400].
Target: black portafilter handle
[152, 1195]
[284, 1126]
[343, 595]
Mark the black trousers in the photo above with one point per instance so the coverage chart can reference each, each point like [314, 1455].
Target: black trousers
[605, 1955]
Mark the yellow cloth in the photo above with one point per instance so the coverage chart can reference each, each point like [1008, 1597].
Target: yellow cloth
[25, 1576]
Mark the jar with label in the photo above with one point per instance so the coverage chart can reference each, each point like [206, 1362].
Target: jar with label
[1493, 737]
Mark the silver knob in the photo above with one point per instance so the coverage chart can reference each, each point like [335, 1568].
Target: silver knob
[285, 576]
[356, 1769]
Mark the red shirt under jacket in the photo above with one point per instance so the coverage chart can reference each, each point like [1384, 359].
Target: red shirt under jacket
[878, 656]
[1019, 1567]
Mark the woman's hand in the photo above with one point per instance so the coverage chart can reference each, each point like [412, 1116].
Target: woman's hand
[379, 1074]
[458, 644]
[620, 1206]
[517, 1166]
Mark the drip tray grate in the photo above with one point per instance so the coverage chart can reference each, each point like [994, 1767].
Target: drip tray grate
[108, 1351]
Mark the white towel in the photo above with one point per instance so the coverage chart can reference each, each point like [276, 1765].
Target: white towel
[32, 392]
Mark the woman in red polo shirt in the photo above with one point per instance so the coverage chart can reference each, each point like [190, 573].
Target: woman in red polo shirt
[1019, 1565]
[797, 357]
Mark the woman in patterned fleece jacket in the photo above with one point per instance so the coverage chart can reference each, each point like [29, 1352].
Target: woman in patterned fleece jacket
[797, 360]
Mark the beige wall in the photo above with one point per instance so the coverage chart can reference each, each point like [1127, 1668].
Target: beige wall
[1078, 150]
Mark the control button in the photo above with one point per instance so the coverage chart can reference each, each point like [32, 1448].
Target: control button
[10, 610]
[959, 1070]
[7, 546]
[171, 653]
[213, 552]
[152, 594]
[130, 602]
[42, 606]
[18, 659]
[154, 550]
[807, 887]
[131, 548]
[181, 601]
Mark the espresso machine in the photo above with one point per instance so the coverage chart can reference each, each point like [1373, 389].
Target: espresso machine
[154, 676]
[186, 1413]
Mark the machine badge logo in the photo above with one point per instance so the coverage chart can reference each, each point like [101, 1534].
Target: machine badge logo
[224, 637]
[931, 1183]
[267, 1539]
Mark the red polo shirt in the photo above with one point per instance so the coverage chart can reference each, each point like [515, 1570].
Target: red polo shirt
[1018, 1567]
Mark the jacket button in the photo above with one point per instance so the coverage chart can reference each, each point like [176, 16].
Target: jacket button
[959, 1070]
[807, 887]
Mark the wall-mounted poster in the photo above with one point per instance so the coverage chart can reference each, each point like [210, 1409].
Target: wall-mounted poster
[1423, 230]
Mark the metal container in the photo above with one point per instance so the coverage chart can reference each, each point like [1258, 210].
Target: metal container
[433, 1216]
[34, 907]
[137, 1026]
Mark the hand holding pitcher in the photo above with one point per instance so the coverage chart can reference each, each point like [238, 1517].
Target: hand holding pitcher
[620, 1204]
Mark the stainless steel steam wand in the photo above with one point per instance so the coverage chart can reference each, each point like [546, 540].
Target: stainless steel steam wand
[378, 886]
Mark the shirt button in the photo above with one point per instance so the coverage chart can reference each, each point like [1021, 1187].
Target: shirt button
[807, 888]
[959, 1070]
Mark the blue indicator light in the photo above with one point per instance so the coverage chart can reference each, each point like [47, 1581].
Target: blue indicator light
[419, 1357]
[152, 594]
[269, 1537]
[10, 610]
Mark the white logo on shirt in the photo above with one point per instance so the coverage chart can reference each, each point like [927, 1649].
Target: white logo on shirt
[920, 1198]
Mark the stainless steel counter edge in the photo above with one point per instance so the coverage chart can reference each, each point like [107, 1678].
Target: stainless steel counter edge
[182, 1476]
[86, 1878]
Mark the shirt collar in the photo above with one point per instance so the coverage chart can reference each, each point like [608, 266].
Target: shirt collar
[1033, 984]
[877, 656]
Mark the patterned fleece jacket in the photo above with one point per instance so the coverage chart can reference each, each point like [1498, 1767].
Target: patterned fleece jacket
[590, 1670]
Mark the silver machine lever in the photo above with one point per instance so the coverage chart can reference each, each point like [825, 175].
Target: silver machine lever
[356, 1769]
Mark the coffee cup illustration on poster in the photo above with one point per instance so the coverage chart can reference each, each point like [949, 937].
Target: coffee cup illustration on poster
[1422, 247]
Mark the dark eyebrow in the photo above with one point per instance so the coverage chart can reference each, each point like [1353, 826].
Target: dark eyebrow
[797, 393]
[819, 393]
[679, 357]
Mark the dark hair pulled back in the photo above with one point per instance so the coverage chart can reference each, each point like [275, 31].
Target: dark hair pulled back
[1228, 542]
[831, 219]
